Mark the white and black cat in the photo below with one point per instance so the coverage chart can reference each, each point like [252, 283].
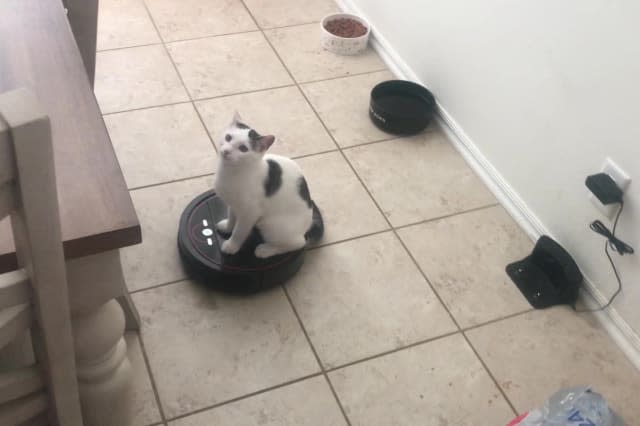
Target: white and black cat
[263, 190]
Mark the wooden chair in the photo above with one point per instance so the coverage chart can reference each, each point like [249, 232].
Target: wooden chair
[37, 363]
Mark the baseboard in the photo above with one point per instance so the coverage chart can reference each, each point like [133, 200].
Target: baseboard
[611, 320]
[613, 323]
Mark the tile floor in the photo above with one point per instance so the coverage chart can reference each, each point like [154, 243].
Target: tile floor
[402, 316]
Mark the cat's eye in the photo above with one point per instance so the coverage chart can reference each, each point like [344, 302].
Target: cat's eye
[243, 148]
[227, 138]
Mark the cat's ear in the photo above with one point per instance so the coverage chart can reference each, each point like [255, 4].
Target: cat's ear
[236, 118]
[263, 143]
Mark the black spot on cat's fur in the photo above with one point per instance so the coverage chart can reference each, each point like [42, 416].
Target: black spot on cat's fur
[303, 190]
[273, 180]
[316, 231]
[253, 138]
[240, 125]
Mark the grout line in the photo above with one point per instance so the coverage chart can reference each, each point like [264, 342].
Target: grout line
[206, 129]
[371, 142]
[151, 185]
[493, 321]
[392, 351]
[426, 132]
[446, 216]
[495, 381]
[259, 29]
[246, 396]
[152, 287]
[111, 49]
[313, 154]
[175, 67]
[339, 77]
[484, 365]
[206, 98]
[106, 114]
[152, 379]
[246, 92]
[346, 240]
[287, 26]
[210, 36]
[315, 354]
[382, 231]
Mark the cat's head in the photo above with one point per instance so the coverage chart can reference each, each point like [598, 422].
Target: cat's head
[241, 144]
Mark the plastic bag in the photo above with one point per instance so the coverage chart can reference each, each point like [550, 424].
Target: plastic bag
[573, 407]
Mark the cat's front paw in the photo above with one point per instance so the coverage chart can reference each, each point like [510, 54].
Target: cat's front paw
[223, 226]
[230, 247]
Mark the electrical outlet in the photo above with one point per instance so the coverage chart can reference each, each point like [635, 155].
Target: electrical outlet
[621, 178]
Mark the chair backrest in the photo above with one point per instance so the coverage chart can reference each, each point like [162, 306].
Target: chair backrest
[36, 296]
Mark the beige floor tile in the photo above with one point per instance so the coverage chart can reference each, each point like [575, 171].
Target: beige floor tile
[124, 23]
[297, 129]
[346, 207]
[161, 144]
[306, 403]
[144, 410]
[438, 383]
[534, 355]
[364, 297]
[418, 178]
[343, 105]
[299, 47]
[464, 257]
[279, 13]
[228, 64]
[156, 260]
[136, 77]
[205, 347]
[184, 19]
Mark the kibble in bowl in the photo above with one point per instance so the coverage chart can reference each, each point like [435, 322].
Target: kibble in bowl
[345, 34]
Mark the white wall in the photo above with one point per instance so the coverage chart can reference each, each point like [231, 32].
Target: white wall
[545, 90]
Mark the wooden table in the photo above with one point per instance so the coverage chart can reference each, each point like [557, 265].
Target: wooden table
[38, 51]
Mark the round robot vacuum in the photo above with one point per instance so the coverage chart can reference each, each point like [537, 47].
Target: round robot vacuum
[199, 245]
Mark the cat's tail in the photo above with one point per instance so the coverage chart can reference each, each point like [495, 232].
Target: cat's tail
[316, 231]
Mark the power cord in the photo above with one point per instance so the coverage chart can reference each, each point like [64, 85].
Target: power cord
[616, 245]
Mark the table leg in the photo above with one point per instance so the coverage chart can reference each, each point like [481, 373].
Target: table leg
[83, 19]
[103, 274]
[104, 371]
[98, 320]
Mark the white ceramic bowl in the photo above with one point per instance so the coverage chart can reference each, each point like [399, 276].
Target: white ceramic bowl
[344, 45]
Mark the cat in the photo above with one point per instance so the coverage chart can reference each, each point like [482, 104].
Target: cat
[265, 191]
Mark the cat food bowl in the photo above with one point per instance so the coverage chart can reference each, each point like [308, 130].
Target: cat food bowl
[199, 246]
[401, 107]
[344, 33]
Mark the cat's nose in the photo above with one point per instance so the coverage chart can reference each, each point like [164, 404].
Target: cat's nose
[226, 154]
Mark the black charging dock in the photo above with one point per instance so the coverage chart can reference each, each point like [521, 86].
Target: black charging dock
[199, 245]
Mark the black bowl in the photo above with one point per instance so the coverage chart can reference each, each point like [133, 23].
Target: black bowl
[401, 107]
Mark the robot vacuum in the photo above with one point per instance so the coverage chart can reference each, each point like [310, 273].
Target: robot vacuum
[199, 245]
